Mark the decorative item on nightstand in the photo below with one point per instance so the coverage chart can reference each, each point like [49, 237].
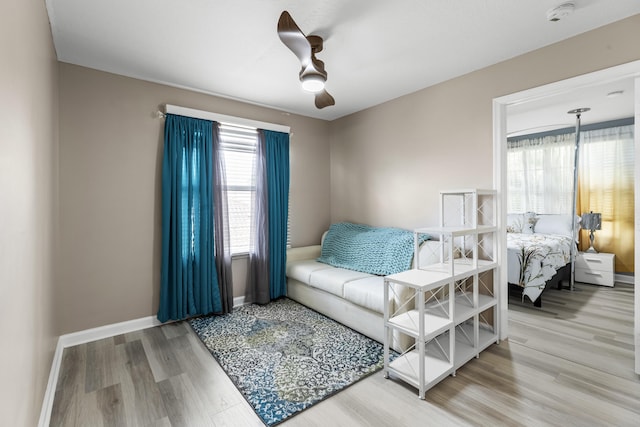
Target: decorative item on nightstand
[592, 222]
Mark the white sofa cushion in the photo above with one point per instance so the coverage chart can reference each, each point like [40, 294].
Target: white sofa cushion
[332, 279]
[367, 292]
[301, 270]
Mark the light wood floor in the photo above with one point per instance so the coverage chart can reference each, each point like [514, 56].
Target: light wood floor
[567, 364]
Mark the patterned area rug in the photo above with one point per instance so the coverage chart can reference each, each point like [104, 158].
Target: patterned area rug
[284, 357]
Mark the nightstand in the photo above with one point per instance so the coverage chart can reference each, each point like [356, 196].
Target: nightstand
[595, 268]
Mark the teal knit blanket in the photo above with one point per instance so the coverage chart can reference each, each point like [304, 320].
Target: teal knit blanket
[373, 250]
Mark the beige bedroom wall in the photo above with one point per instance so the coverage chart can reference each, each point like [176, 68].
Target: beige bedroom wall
[388, 163]
[28, 205]
[110, 170]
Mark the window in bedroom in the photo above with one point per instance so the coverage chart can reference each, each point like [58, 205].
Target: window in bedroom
[540, 180]
[540, 174]
[239, 149]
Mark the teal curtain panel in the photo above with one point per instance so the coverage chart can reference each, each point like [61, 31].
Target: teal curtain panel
[189, 282]
[277, 165]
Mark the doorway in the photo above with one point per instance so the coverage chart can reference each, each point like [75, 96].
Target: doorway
[626, 71]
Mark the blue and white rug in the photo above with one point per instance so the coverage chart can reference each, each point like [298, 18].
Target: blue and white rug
[284, 357]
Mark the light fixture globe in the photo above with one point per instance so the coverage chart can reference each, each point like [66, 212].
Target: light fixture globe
[312, 82]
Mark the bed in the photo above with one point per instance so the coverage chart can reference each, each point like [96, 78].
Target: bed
[538, 248]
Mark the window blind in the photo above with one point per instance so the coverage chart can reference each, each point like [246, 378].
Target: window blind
[238, 145]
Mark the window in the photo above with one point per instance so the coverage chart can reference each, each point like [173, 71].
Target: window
[540, 174]
[540, 179]
[239, 150]
[239, 145]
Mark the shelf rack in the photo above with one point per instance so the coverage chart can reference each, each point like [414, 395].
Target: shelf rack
[455, 313]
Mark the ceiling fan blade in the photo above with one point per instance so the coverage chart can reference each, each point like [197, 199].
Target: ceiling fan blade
[323, 99]
[305, 49]
[294, 38]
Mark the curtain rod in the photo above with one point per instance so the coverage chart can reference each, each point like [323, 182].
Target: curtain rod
[222, 118]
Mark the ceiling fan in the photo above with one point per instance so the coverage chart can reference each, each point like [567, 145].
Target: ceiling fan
[312, 76]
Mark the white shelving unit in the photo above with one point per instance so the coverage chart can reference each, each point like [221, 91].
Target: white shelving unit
[455, 312]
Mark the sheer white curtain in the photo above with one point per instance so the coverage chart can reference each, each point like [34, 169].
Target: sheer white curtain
[606, 186]
[257, 285]
[607, 161]
[540, 174]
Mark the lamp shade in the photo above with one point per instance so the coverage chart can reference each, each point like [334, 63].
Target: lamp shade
[591, 221]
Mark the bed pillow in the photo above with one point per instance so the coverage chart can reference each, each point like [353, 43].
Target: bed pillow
[554, 224]
[529, 222]
[515, 223]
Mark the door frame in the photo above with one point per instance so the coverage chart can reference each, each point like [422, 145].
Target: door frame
[624, 71]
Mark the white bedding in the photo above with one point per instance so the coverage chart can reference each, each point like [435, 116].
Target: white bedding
[533, 259]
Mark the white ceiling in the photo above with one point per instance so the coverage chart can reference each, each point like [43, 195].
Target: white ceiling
[604, 100]
[374, 50]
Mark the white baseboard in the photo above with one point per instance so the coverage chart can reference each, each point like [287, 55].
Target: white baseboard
[625, 278]
[106, 331]
[88, 335]
[50, 392]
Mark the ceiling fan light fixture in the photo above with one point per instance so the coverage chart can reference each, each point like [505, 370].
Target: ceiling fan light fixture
[313, 75]
[312, 82]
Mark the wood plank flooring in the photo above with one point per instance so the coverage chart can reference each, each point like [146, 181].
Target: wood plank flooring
[567, 364]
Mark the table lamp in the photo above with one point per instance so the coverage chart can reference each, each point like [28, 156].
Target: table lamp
[592, 222]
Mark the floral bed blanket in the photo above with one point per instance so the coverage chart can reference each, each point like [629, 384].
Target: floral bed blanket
[533, 259]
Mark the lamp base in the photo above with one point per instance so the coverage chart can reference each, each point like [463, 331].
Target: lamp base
[591, 249]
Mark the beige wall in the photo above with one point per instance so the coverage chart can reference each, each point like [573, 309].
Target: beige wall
[389, 162]
[110, 169]
[28, 203]
[385, 166]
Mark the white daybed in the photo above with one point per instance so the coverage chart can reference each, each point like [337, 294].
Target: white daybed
[353, 298]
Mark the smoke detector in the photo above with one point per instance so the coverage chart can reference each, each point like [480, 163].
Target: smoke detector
[557, 13]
